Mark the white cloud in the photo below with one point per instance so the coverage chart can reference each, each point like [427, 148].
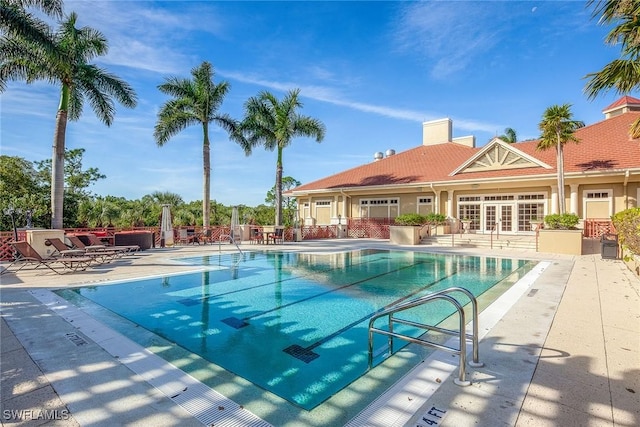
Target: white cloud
[332, 96]
[145, 37]
[450, 35]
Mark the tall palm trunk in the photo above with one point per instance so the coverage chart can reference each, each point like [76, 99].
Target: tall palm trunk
[279, 187]
[206, 170]
[57, 162]
[560, 166]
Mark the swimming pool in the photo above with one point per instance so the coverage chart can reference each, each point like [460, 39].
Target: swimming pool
[294, 324]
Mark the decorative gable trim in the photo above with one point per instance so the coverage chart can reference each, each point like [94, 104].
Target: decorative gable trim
[499, 155]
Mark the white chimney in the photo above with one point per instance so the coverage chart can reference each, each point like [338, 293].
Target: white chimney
[437, 131]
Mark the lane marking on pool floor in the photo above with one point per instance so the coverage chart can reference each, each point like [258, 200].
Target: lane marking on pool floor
[203, 403]
[400, 402]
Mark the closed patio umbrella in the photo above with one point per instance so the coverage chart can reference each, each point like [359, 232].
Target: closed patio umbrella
[236, 233]
[166, 229]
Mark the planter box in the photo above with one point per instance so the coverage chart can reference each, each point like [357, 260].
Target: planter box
[443, 229]
[560, 241]
[404, 234]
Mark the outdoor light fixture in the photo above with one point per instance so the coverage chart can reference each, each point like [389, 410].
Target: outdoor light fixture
[10, 212]
[29, 215]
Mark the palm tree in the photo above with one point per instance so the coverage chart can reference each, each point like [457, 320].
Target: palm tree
[16, 22]
[196, 101]
[557, 128]
[622, 75]
[509, 136]
[68, 66]
[273, 124]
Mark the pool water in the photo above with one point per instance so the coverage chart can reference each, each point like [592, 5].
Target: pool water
[296, 324]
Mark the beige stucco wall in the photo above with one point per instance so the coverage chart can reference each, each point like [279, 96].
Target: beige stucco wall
[408, 196]
[560, 241]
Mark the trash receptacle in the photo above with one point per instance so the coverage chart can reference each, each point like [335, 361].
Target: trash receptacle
[609, 246]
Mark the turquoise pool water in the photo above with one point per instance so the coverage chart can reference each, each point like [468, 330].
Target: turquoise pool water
[295, 324]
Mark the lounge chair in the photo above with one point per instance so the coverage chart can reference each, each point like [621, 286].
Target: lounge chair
[101, 249]
[27, 255]
[61, 249]
[94, 241]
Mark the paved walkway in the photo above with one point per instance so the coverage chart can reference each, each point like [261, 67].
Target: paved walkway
[576, 363]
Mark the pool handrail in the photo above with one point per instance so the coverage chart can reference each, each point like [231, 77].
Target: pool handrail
[231, 240]
[463, 336]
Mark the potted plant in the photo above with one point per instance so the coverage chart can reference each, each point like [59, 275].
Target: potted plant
[466, 224]
[535, 223]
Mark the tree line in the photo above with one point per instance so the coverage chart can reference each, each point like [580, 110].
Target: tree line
[25, 187]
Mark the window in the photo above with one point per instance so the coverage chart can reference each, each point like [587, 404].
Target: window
[469, 198]
[527, 212]
[425, 205]
[531, 197]
[379, 208]
[597, 195]
[597, 204]
[470, 211]
[499, 197]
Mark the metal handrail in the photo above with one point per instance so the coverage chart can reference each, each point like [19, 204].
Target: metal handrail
[495, 226]
[231, 239]
[461, 351]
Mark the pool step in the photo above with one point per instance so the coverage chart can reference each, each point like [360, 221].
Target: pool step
[482, 241]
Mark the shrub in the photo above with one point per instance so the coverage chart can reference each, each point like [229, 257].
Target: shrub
[411, 219]
[627, 225]
[561, 221]
[435, 218]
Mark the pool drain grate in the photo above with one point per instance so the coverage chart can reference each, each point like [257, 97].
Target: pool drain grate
[301, 353]
[76, 339]
[234, 322]
[189, 301]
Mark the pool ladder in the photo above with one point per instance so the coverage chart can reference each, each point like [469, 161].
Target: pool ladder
[461, 351]
[231, 240]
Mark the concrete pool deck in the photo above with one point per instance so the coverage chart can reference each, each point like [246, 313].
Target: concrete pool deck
[566, 354]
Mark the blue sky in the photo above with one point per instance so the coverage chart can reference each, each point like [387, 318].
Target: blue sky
[371, 71]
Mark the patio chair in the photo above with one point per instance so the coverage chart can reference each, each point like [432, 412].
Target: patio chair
[255, 235]
[187, 236]
[206, 236]
[27, 255]
[93, 239]
[277, 236]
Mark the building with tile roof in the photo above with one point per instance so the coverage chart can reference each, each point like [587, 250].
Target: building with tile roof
[498, 185]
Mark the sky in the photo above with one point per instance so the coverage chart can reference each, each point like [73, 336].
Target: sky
[372, 72]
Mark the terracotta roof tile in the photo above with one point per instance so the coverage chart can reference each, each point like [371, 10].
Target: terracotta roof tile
[604, 146]
[625, 100]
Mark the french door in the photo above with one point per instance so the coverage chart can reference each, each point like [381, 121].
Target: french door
[498, 215]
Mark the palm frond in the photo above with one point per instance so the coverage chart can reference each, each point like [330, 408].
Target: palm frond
[623, 75]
